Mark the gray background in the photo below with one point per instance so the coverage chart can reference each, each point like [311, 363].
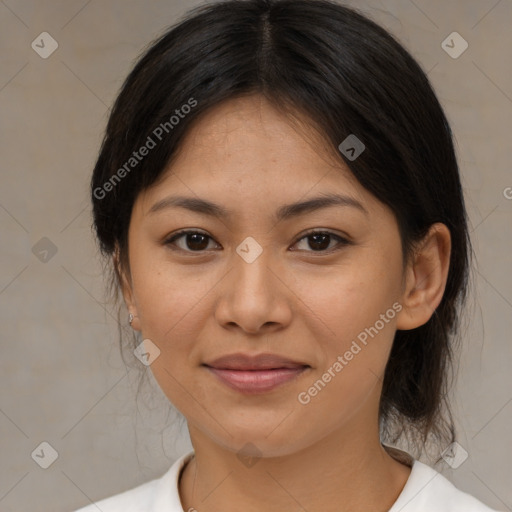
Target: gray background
[62, 378]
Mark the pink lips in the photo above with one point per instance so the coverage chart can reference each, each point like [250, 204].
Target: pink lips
[255, 374]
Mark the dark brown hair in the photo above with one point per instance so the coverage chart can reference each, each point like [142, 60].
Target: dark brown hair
[345, 75]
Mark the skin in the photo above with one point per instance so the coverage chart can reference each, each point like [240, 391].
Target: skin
[294, 301]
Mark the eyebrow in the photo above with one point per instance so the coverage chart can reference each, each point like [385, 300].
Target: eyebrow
[285, 212]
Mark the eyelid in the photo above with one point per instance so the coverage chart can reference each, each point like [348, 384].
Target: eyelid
[326, 231]
[342, 240]
[169, 240]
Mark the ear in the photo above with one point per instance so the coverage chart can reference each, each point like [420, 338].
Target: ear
[126, 288]
[426, 276]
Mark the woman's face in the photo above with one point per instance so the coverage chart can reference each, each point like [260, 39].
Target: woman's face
[256, 281]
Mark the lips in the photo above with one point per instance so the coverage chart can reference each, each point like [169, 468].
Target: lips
[242, 361]
[255, 374]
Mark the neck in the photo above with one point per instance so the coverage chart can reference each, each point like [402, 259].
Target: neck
[347, 470]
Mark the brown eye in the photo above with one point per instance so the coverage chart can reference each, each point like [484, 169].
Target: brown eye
[320, 241]
[197, 241]
[191, 241]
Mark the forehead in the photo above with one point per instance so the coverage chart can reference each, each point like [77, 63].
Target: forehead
[247, 153]
[252, 131]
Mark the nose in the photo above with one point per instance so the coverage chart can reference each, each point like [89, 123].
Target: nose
[253, 297]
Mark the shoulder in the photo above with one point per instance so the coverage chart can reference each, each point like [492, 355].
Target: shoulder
[136, 499]
[155, 495]
[427, 490]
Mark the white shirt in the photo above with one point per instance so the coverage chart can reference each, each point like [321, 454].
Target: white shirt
[426, 490]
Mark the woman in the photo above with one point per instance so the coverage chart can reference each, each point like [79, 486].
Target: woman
[279, 197]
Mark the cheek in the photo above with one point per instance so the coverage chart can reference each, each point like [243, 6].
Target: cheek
[352, 362]
[172, 307]
[173, 304]
[348, 299]
[352, 316]
[167, 295]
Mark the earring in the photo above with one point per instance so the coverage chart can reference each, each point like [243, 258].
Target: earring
[130, 319]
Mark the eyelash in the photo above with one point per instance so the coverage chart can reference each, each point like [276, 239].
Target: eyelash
[341, 241]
